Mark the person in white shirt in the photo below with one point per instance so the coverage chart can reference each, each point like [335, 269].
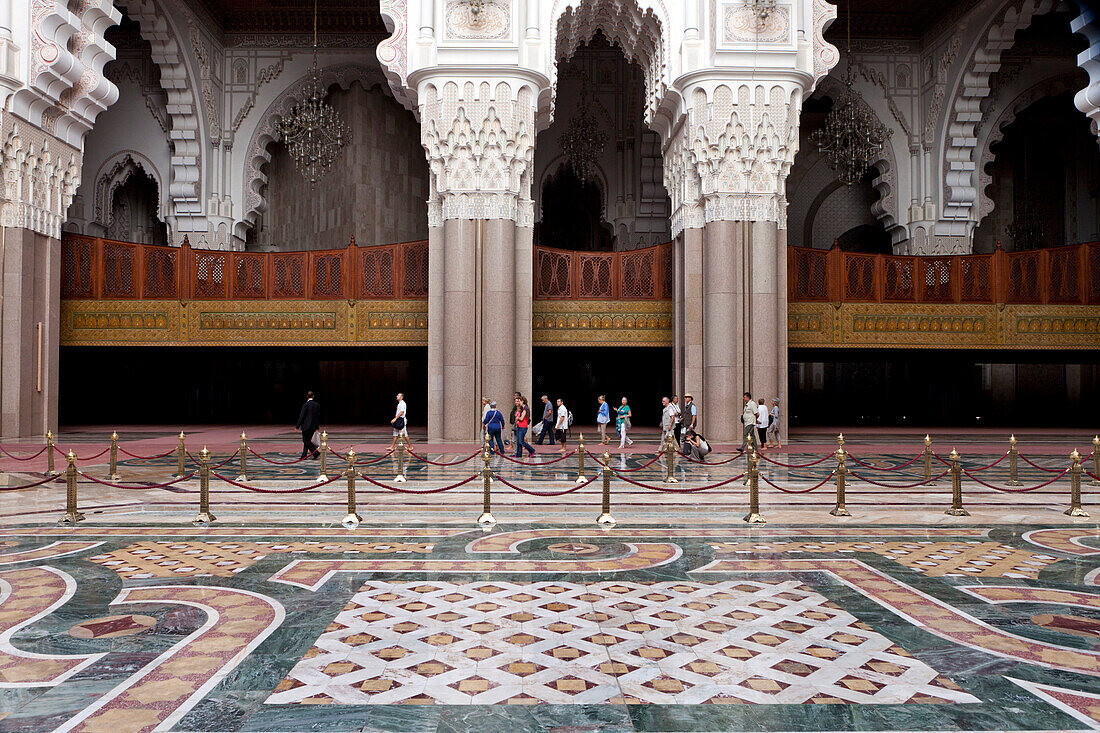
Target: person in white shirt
[668, 421]
[561, 427]
[677, 420]
[400, 421]
[748, 421]
[761, 423]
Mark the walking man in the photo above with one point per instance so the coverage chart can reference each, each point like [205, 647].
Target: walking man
[309, 422]
[748, 421]
[668, 419]
[561, 427]
[547, 420]
[400, 421]
[603, 417]
[677, 420]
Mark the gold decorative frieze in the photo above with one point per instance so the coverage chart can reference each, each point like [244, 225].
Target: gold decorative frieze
[244, 323]
[602, 323]
[933, 326]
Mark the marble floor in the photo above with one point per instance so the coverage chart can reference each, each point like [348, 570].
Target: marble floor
[681, 617]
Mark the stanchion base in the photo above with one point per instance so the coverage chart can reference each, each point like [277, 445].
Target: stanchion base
[1075, 511]
[580, 480]
[960, 512]
[399, 479]
[321, 479]
[486, 518]
[1014, 483]
[672, 480]
[52, 473]
[71, 518]
[754, 518]
[839, 511]
[241, 479]
[352, 520]
[114, 477]
[605, 520]
[203, 518]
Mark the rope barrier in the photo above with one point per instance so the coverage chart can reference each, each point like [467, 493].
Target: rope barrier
[274, 463]
[419, 491]
[145, 458]
[551, 462]
[1036, 465]
[991, 465]
[795, 465]
[173, 482]
[712, 463]
[259, 490]
[898, 486]
[26, 458]
[521, 490]
[596, 458]
[31, 486]
[798, 491]
[216, 465]
[1015, 491]
[679, 491]
[438, 463]
[892, 468]
[380, 458]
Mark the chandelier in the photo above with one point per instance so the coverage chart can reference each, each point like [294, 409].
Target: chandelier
[852, 137]
[583, 141]
[312, 131]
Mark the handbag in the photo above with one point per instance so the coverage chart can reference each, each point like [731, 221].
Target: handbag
[316, 439]
[399, 424]
[536, 429]
[626, 423]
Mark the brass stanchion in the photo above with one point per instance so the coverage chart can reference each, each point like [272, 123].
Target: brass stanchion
[1013, 464]
[324, 460]
[244, 458]
[352, 519]
[400, 477]
[956, 509]
[840, 441]
[181, 458]
[1096, 461]
[749, 450]
[580, 461]
[753, 517]
[72, 514]
[928, 461]
[670, 461]
[605, 519]
[112, 468]
[487, 451]
[486, 517]
[50, 470]
[204, 515]
[839, 510]
[1075, 509]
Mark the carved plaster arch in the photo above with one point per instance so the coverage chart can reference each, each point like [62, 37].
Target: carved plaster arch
[965, 113]
[115, 172]
[179, 84]
[393, 53]
[1050, 87]
[1088, 99]
[643, 36]
[259, 155]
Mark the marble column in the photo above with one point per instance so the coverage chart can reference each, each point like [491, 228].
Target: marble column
[723, 319]
[461, 330]
[30, 318]
[435, 330]
[498, 313]
[524, 307]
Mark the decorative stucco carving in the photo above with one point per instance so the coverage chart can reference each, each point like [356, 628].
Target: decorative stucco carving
[114, 172]
[741, 25]
[393, 52]
[489, 20]
[826, 55]
[38, 178]
[1088, 99]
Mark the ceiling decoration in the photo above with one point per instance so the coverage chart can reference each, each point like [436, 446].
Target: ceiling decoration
[296, 16]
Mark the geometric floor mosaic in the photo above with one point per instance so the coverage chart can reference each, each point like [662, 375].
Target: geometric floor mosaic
[610, 642]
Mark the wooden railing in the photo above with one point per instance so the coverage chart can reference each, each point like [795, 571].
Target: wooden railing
[103, 269]
[1062, 275]
[640, 274]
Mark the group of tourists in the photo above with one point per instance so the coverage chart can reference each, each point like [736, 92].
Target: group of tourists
[761, 425]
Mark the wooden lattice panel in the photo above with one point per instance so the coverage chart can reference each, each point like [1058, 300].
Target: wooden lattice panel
[159, 279]
[119, 265]
[376, 265]
[211, 275]
[288, 275]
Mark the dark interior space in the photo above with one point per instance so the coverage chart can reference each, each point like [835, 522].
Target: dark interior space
[581, 374]
[176, 385]
[949, 388]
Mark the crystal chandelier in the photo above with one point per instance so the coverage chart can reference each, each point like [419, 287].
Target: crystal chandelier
[583, 141]
[852, 137]
[312, 131]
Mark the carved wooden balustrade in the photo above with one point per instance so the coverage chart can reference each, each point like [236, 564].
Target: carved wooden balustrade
[93, 268]
[640, 274]
[1057, 276]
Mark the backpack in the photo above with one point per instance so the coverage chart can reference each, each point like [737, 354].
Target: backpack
[568, 419]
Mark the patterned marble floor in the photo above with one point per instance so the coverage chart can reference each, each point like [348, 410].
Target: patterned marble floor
[979, 626]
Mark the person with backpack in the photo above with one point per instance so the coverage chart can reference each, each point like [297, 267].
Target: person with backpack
[561, 427]
[494, 424]
[523, 421]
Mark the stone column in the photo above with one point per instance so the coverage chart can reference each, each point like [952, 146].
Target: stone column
[478, 134]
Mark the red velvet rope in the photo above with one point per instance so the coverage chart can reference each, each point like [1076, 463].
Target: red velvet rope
[1015, 491]
[712, 463]
[898, 486]
[274, 463]
[145, 458]
[344, 457]
[216, 465]
[83, 458]
[31, 486]
[680, 491]
[419, 491]
[551, 462]
[797, 465]
[521, 490]
[1036, 465]
[797, 491]
[893, 468]
[419, 457]
[599, 462]
[257, 489]
[173, 482]
[26, 458]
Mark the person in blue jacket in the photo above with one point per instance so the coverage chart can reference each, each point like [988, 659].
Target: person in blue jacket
[494, 424]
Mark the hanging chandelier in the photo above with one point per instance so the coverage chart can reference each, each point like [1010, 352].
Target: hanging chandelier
[583, 141]
[312, 131]
[852, 138]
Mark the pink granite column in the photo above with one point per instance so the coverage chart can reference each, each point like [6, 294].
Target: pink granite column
[498, 318]
[460, 332]
[525, 295]
[688, 307]
[436, 253]
[724, 337]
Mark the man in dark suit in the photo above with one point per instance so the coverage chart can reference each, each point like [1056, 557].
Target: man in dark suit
[309, 422]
